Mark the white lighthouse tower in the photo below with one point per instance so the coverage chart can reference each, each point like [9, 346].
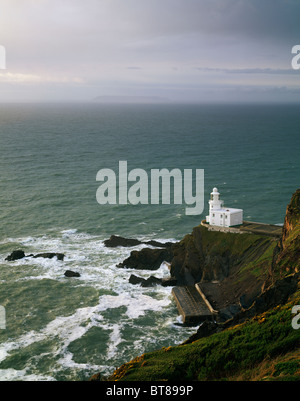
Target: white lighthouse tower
[220, 215]
[215, 202]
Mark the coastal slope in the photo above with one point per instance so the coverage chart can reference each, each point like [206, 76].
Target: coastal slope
[261, 341]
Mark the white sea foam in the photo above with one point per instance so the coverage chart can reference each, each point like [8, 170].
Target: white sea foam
[71, 328]
[96, 264]
[114, 340]
[136, 304]
[69, 231]
[21, 375]
[67, 329]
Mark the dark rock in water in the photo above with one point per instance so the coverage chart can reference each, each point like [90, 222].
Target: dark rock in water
[116, 240]
[149, 282]
[50, 255]
[15, 255]
[148, 259]
[70, 273]
[19, 254]
[133, 279]
[169, 281]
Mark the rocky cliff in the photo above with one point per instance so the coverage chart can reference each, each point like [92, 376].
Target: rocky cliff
[287, 252]
[243, 264]
[240, 263]
[263, 269]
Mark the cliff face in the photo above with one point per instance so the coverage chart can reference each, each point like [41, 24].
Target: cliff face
[287, 253]
[245, 264]
[260, 342]
[241, 262]
[209, 255]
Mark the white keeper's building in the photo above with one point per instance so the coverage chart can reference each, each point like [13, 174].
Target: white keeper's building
[220, 215]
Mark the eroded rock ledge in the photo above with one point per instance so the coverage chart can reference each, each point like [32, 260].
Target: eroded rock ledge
[20, 254]
[116, 240]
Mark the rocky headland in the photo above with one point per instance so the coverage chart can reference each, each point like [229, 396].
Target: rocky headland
[253, 281]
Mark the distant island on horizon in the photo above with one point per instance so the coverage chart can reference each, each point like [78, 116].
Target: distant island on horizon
[131, 99]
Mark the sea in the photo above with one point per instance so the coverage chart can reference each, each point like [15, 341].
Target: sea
[60, 328]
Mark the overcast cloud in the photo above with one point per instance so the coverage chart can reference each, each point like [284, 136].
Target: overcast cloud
[184, 50]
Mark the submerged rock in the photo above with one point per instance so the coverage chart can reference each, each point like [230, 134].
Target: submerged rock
[15, 255]
[151, 281]
[50, 255]
[19, 254]
[70, 273]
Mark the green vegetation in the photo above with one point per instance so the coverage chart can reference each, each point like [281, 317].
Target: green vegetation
[253, 348]
[261, 264]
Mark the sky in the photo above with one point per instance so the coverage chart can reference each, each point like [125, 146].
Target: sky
[177, 50]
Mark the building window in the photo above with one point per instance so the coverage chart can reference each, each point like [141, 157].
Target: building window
[213, 215]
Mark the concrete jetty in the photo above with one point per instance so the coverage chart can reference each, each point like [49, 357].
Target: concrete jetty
[190, 304]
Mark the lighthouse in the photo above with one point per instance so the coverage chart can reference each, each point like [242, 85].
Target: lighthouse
[215, 202]
[220, 215]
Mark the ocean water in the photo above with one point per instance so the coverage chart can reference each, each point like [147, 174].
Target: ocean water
[60, 328]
